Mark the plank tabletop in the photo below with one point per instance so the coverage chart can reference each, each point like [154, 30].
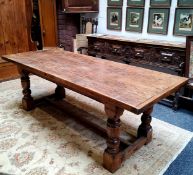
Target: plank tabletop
[129, 87]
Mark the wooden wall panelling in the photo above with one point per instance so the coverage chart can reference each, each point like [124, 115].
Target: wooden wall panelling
[15, 32]
[8, 11]
[47, 9]
[8, 71]
[20, 23]
[28, 15]
[2, 46]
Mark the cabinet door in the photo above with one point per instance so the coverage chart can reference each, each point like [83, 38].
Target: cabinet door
[47, 10]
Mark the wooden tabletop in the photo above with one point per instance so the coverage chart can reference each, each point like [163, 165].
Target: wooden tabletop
[129, 87]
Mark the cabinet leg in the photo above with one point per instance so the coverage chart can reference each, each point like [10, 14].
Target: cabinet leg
[112, 158]
[176, 101]
[145, 129]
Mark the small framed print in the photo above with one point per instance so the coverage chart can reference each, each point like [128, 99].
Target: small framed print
[114, 18]
[134, 19]
[136, 3]
[160, 3]
[183, 24]
[189, 57]
[158, 20]
[115, 2]
[185, 3]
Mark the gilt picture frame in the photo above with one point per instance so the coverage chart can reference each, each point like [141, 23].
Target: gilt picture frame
[160, 3]
[183, 24]
[136, 3]
[134, 19]
[115, 2]
[158, 20]
[114, 18]
[189, 57]
[185, 3]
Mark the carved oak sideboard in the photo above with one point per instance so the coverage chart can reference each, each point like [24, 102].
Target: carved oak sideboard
[162, 56]
[156, 55]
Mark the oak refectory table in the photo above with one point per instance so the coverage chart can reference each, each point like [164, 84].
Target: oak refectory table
[118, 86]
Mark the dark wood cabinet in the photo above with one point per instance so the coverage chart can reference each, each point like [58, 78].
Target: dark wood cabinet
[47, 9]
[161, 56]
[15, 33]
[156, 55]
[80, 6]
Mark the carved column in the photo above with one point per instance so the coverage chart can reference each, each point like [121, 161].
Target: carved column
[112, 157]
[145, 129]
[60, 92]
[27, 100]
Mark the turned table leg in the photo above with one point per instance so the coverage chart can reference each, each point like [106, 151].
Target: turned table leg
[60, 92]
[27, 100]
[145, 129]
[112, 158]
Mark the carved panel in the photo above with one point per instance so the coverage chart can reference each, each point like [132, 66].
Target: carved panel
[159, 57]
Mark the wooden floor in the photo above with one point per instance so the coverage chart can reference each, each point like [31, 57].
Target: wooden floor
[8, 71]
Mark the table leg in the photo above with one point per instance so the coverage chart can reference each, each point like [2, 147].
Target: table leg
[60, 92]
[112, 158]
[145, 129]
[27, 100]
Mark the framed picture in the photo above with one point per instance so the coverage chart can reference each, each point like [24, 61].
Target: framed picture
[160, 3]
[183, 24]
[115, 2]
[134, 19]
[189, 57]
[114, 18]
[185, 3]
[158, 20]
[136, 3]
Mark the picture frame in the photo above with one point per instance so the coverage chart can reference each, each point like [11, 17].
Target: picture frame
[134, 19]
[136, 3]
[189, 57]
[185, 3]
[183, 24]
[158, 20]
[114, 18]
[115, 2]
[160, 3]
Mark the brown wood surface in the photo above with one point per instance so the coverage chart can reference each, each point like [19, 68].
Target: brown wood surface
[8, 71]
[128, 87]
[15, 25]
[15, 33]
[2, 46]
[7, 9]
[80, 6]
[47, 9]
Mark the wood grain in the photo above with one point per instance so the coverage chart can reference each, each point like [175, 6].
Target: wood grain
[15, 32]
[2, 47]
[7, 9]
[48, 22]
[128, 87]
[20, 27]
[8, 71]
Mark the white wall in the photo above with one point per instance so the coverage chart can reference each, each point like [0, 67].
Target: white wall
[102, 27]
